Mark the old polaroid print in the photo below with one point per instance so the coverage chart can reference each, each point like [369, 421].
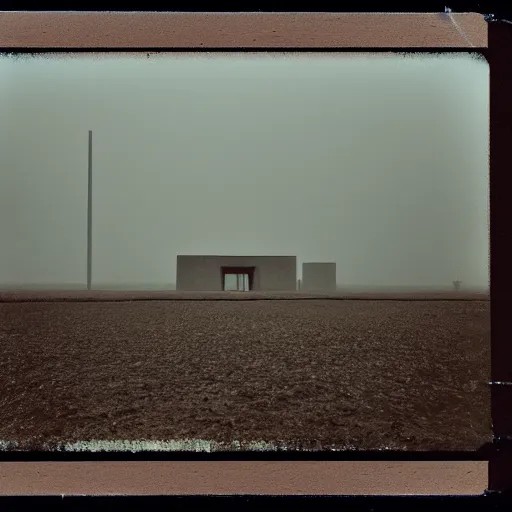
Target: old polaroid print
[244, 252]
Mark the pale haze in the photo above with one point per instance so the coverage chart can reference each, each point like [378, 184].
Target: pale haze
[379, 163]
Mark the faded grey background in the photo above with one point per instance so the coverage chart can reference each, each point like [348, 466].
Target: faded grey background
[378, 163]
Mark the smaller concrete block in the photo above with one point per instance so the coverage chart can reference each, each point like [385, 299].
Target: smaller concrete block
[318, 277]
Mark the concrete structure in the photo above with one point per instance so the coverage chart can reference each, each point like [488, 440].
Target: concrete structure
[318, 277]
[258, 273]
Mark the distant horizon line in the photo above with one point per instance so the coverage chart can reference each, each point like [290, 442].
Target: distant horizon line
[171, 286]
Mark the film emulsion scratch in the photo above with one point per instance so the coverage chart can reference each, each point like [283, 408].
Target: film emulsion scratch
[244, 252]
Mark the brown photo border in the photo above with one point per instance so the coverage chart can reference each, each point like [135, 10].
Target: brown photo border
[49, 32]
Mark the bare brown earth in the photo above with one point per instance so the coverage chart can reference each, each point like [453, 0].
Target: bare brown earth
[306, 374]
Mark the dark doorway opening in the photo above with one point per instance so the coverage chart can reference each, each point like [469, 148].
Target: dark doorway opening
[237, 278]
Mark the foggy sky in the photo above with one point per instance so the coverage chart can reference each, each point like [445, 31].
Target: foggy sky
[377, 163]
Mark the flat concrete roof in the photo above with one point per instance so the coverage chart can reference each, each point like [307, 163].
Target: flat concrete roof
[229, 256]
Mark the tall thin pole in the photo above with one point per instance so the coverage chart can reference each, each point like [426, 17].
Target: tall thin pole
[89, 215]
